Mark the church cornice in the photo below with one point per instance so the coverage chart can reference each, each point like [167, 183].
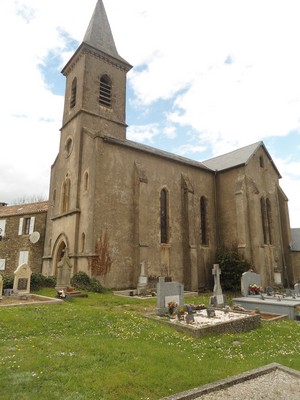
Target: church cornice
[85, 111]
[85, 49]
[66, 214]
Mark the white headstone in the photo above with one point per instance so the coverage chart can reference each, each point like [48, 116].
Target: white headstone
[22, 279]
[249, 278]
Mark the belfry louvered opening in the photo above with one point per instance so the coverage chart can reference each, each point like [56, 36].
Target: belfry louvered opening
[105, 91]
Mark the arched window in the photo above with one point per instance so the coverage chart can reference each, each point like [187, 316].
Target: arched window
[73, 93]
[203, 220]
[65, 195]
[105, 91]
[164, 234]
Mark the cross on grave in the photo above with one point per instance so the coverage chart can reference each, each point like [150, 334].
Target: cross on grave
[218, 299]
[216, 271]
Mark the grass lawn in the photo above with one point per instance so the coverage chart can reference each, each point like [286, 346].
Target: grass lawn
[101, 347]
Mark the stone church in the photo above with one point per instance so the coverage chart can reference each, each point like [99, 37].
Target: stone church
[120, 207]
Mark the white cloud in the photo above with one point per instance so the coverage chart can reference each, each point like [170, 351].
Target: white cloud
[229, 69]
[143, 133]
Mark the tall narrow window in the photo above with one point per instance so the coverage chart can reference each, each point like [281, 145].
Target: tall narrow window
[105, 91]
[86, 181]
[263, 219]
[65, 195]
[26, 226]
[73, 93]
[164, 216]
[82, 242]
[269, 220]
[203, 219]
[261, 162]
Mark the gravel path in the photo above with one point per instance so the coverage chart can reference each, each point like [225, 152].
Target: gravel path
[271, 382]
[275, 385]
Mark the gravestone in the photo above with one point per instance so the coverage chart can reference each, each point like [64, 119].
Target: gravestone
[1, 286]
[64, 267]
[167, 292]
[269, 291]
[249, 278]
[22, 280]
[210, 313]
[143, 279]
[277, 278]
[297, 289]
[218, 299]
[216, 271]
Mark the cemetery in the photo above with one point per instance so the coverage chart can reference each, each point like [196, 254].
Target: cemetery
[20, 294]
[268, 300]
[214, 320]
[200, 320]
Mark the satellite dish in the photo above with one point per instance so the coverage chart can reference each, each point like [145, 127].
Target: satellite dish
[34, 237]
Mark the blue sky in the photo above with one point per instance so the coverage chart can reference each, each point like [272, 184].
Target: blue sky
[209, 76]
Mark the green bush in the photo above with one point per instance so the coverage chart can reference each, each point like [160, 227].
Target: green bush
[232, 266]
[82, 281]
[36, 281]
[39, 281]
[96, 286]
[8, 281]
[49, 281]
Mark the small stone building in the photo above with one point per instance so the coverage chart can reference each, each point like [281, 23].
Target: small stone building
[116, 204]
[22, 231]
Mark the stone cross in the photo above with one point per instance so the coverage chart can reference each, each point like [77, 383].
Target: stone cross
[216, 271]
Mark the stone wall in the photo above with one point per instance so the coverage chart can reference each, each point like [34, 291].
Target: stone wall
[12, 243]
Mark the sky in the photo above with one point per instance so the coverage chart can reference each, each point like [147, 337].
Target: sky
[209, 76]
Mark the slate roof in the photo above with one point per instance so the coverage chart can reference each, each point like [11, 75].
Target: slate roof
[295, 232]
[99, 34]
[156, 152]
[24, 209]
[237, 158]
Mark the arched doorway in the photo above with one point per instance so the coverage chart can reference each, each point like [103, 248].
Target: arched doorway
[58, 255]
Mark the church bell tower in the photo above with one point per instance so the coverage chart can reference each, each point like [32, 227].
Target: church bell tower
[94, 108]
[96, 80]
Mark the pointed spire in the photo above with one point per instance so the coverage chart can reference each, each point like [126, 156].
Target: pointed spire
[99, 35]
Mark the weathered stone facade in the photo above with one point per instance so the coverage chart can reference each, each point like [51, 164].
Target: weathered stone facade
[22, 236]
[116, 204]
